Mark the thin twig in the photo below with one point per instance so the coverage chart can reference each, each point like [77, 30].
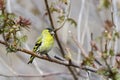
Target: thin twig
[84, 54]
[112, 14]
[66, 17]
[94, 46]
[49, 14]
[109, 69]
[115, 21]
[57, 39]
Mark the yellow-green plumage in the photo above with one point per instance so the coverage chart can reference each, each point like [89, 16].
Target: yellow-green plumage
[44, 43]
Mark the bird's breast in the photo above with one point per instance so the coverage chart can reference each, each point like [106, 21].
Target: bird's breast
[47, 43]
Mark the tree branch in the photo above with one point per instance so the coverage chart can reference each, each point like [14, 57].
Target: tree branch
[41, 57]
[58, 41]
[47, 59]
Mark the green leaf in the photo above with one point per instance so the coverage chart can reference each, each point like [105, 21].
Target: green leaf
[72, 21]
[1, 31]
[117, 34]
[24, 38]
[2, 17]
[111, 52]
[116, 73]
[117, 76]
[89, 60]
[104, 3]
[114, 70]
[21, 39]
[6, 29]
[52, 9]
[11, 16]
[105, 54]
[61, 19]
[10, 49]
[103, 71]
[10, 22]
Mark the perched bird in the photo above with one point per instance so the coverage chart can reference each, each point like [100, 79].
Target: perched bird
[44, 43]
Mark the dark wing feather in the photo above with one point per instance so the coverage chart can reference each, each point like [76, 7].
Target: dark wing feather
[35, 48]
[37, 44]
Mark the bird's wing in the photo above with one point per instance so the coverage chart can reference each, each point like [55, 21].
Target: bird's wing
[37, 44]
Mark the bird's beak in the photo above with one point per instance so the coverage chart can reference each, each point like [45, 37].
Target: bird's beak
[52, 32]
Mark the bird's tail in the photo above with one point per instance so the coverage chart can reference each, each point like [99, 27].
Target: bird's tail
[31, 59]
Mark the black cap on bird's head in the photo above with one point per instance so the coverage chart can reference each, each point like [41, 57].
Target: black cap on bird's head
[51, 31]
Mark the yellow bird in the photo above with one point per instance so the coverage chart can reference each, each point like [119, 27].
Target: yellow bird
[44, 43]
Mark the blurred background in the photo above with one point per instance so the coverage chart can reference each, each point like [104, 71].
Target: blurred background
[90, 16]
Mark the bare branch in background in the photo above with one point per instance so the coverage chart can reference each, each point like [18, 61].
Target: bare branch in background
[35, 75]
[84, 54]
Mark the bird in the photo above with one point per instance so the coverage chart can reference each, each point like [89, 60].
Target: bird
[44, 43]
